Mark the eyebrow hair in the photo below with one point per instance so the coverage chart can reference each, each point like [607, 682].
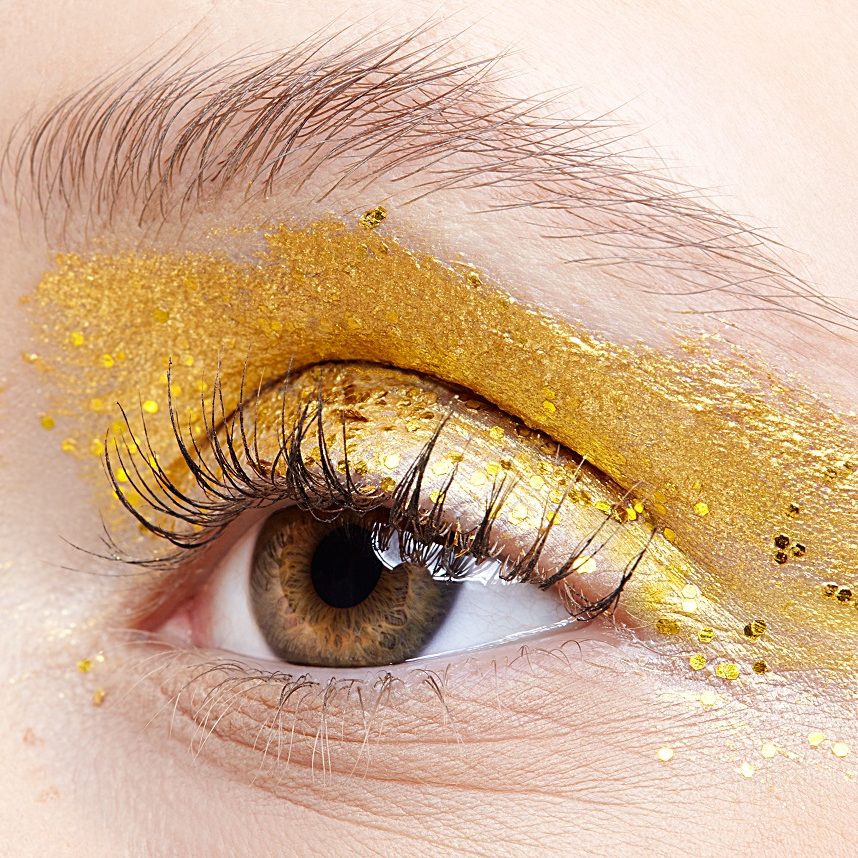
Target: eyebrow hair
[165, 139]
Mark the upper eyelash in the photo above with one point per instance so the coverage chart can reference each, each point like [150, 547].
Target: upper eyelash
[424, 534]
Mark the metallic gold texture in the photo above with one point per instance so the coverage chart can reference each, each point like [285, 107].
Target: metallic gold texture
[722, 454]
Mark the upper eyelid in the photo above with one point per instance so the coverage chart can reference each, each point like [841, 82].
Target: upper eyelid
[164, 138]
[238, 480]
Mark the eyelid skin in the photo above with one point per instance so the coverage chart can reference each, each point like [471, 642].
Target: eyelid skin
[730, 459]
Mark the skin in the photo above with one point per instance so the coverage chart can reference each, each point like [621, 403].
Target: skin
[560, 753]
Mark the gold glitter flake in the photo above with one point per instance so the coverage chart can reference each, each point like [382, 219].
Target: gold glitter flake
[84, 665]
[98, 696]
[664, 755]
[815, 738]
[667, 626]
[706, 635]
[701, 509]
[373, 217]
[755, 629]
[760, 666]
[697, 661]
[727, 670]
[769, 750]
[840, 749]
[747, 770]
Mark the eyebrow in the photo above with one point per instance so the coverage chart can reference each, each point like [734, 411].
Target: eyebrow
[163, 140]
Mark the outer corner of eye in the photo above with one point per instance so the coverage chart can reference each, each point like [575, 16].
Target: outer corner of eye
[308, 592]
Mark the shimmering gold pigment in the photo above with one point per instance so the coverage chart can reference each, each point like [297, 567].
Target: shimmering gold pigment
[718, 452]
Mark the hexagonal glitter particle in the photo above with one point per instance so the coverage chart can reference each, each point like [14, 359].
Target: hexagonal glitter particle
[727, 670]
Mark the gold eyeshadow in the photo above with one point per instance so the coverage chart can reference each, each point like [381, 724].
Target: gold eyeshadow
[752, 481]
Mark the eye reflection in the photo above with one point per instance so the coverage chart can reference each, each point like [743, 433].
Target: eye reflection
[322, 595]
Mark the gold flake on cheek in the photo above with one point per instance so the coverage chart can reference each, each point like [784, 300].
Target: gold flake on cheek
[721, 455]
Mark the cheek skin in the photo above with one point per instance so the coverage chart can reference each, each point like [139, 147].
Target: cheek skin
[564, 740]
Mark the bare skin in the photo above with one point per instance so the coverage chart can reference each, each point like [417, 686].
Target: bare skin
[554, 756]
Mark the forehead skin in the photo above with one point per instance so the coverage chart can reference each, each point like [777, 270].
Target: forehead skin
[749, 100]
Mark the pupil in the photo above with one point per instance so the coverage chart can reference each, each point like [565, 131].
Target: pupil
[345, 569]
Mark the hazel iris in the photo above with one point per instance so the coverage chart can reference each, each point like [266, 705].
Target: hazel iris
[322, 596]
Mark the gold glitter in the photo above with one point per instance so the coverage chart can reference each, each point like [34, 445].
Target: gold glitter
[706, 635]
[47, 421]
[603, 506]
[688, 606]
[549, 406]
[727, 670]
[388, 484]
[666, 626]
[690, 591]
[697, 661]
[150, 406]
[311, 280]
[584, 565]
[701, 509]
[769, 751]
[664, 755]
[746, 770]
[98, 696]
[708, 697]
[84, 665]
[373, 218]
[68, 445]
[760, 666]
[474, 278]
[840, 749]
[755, 629]
[793, 510]
[478, 478]
[76, 338]
[781, 541]
[844, 594]
[536, 482]
[815, 738]
[391, 461]
[496, 433]
[160, 315]
[96, 447]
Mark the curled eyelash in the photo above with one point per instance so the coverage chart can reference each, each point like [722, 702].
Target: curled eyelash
[229, 477]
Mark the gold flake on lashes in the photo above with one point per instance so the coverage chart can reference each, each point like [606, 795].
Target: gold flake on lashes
[726, 456]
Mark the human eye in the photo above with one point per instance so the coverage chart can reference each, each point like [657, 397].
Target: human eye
[406, 514]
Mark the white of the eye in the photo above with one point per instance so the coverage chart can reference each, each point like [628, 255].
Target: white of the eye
[230, 624]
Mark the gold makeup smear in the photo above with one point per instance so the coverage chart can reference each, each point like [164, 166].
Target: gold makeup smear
[722, 454]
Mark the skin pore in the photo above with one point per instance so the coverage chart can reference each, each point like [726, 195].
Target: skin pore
[557, 747]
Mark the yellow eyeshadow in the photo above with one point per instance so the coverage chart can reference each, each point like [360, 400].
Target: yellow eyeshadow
[752, 480]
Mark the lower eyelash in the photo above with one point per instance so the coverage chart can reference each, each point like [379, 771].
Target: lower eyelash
[227, 486]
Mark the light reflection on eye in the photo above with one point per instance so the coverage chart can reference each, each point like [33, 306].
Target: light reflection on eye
[324, 593]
